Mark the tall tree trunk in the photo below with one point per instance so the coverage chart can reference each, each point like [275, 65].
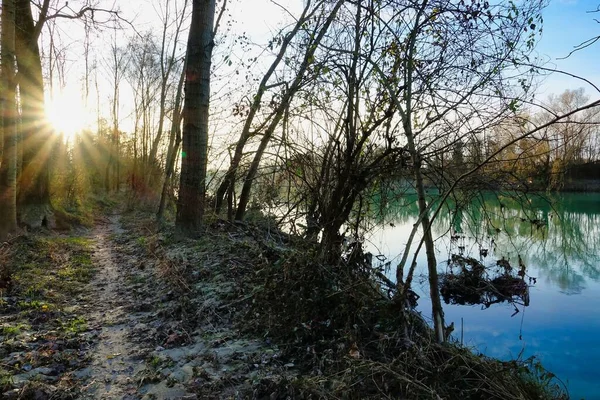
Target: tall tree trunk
[424, 216]
[174, 142]
[192, 187]
[345, 190]
[434, 287]
[8, 136]
[167, 63]
[134, 172]
[152, 162]
[112, 168]
[117, 167]
[437, 310]
[107, 174]
[34, 191]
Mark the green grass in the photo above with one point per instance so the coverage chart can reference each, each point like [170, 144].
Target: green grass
[34, 305]
[155, 362]
[5, 380]
[68, 217]
[81, 242]
[13, 331]
[45, 267]
[136, 279]
[46, 273]
[35, 291]
[76, 325]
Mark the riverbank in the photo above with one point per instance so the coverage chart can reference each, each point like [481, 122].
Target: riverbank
[242, 312]
[581, 186]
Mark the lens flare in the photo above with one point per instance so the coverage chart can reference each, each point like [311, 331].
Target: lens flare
[67, 114]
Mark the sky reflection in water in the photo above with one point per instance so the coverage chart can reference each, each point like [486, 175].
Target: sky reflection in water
[562, 324]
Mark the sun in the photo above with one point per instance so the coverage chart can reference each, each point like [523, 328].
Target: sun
[67, 114]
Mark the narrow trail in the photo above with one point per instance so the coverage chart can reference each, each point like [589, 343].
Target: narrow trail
[115, 360]
[141, 343]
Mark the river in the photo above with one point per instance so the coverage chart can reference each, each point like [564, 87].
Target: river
[558, 239]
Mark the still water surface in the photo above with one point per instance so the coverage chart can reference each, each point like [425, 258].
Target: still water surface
[561, 326]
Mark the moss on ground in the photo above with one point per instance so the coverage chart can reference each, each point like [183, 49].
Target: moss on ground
[46, 273]
[50, 268]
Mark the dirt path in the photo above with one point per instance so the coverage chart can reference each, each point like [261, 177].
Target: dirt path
[132, 332]
[121, 309]
[124, 314]
[115, 360]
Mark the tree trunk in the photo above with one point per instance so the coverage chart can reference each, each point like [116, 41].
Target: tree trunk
[34, 191]
[8, 136]
[174, 142]
[117, 170]
[152, 162]
[437, 310]
[346, 189]
[134, 172]
[434, 287]
[170, 61]
[194, 158]
[407, 116]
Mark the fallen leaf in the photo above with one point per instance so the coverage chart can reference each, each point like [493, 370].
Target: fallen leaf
[354, 353]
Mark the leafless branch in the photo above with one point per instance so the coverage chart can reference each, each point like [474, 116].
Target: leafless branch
[586, 43]
[219, 17]
[581, 46]
[558, 71]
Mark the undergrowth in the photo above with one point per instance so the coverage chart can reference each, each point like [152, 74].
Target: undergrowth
[352, 341]
[82, 212]
[341, 331]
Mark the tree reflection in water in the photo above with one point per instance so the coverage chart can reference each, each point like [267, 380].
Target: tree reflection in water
[557, 235]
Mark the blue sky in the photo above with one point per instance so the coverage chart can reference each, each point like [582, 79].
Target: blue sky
[567, 24]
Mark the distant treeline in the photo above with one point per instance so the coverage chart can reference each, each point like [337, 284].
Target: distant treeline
[583, 178]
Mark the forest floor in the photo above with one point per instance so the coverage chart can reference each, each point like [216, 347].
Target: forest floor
[97, 315]
[128, 310]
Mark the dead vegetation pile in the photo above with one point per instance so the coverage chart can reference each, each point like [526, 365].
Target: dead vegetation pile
[348, 339]
[469, 281]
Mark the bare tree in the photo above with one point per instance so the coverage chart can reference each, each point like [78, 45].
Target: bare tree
[570, 140]
[144, 78]
[33, 184]
[173, 148]
[227, 185]
[435, 75]
[34, 192]
[315, 38]
[117, 66]
[456, 86]
[168, 61]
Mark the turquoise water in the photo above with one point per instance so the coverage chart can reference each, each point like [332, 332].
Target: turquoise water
[561, 249]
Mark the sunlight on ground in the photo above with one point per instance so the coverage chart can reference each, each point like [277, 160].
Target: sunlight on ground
[67, 114]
